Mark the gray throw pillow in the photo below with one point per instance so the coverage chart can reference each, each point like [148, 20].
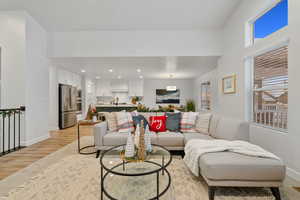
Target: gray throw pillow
[137, 120]
[173, 121]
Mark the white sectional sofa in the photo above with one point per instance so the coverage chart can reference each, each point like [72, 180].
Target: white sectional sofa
[233, 130]
[222, 169]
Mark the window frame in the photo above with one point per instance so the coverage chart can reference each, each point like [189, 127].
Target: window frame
[249, 26]
[249, 64]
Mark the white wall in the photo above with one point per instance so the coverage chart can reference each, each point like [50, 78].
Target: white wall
[25, 72]
[292, 150]
[89, 93]
[53, 98]
[150, 85]
[12, 44]
[212, 78]
[285, 145]
[135, 43]
[37, 82]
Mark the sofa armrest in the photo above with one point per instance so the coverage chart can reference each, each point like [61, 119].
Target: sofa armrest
[99, 131]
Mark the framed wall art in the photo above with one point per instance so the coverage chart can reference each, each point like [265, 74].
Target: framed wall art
[229, 84]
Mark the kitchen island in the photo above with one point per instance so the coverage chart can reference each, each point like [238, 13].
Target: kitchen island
[115, 108]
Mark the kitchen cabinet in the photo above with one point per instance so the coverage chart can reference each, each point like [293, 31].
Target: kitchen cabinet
[136, 88]
[69, 78]
[119, 86]
[77, 81]
[103, 88]
[113, 87]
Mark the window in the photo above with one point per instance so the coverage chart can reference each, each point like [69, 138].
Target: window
[271, 21]
[270, 88]
[205, 96]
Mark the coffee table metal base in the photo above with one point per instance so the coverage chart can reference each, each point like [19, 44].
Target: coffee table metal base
[162, 170]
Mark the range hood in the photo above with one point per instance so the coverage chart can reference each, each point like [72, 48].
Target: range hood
[119, 86]
[119, 90]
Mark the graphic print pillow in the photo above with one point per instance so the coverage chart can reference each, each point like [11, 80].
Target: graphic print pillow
[158, 123]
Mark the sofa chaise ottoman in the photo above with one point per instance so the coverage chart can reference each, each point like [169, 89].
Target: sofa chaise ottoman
[228, 169]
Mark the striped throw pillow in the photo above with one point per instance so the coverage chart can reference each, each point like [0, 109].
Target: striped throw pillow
[125, 122]
[202, 123]
[188, 121]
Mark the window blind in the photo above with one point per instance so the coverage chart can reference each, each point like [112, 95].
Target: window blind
[270, 92]
[271, 68]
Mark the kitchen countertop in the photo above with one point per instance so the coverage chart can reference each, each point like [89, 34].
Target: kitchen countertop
[119, 106]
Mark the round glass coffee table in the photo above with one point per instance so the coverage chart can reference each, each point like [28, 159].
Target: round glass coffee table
[134, 179]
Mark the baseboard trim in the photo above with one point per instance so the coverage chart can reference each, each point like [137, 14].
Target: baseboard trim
[53, 128]
[293, 174]
[35, 140]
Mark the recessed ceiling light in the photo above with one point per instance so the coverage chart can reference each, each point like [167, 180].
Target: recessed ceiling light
[98, 77]
[83, 71]
[141, 77]
[138, 70]
[110, 70]
[119, 77]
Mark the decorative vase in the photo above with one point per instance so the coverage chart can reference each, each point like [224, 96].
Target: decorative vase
[137, 136]
[148, 140]
[129, 149]
[141, 147]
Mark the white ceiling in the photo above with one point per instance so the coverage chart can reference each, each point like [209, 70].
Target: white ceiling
[151, 67]
[73, 15]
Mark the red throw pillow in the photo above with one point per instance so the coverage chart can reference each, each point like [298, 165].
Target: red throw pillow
[158, 123]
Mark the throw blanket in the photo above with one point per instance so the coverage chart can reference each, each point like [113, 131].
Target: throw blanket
[195, 148]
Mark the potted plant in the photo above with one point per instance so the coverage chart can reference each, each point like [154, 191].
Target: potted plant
[190, 105]
[134, 99]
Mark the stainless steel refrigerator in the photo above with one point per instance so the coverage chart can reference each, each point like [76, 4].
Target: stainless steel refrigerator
[67, 106]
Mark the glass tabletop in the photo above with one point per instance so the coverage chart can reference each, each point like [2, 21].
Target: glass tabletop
[137, 187]
[113, 161]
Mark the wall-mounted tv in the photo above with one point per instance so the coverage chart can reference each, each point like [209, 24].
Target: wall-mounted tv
[167, 97]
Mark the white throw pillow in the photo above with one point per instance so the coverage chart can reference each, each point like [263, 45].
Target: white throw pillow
[125, 122]
[188, 122]
[203, 122]
[111, 119]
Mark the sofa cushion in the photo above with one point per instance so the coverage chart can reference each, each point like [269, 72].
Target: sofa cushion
[231, 129]
[111, 119]
[188, 122]
[170, 139]
[158, 123]
[213, 124]
[147, 115]
[238, 167]
[125, 122]
[189, 136]
[116, 138]
[137, 120]
[202, 123]
[173, 122]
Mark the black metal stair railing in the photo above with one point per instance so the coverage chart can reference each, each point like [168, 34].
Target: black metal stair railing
[10, 129]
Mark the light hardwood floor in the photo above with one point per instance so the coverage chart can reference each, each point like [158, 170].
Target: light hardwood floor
[15, 161]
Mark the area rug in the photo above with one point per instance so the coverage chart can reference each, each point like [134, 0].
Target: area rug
[73, 176]
[297, 189]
